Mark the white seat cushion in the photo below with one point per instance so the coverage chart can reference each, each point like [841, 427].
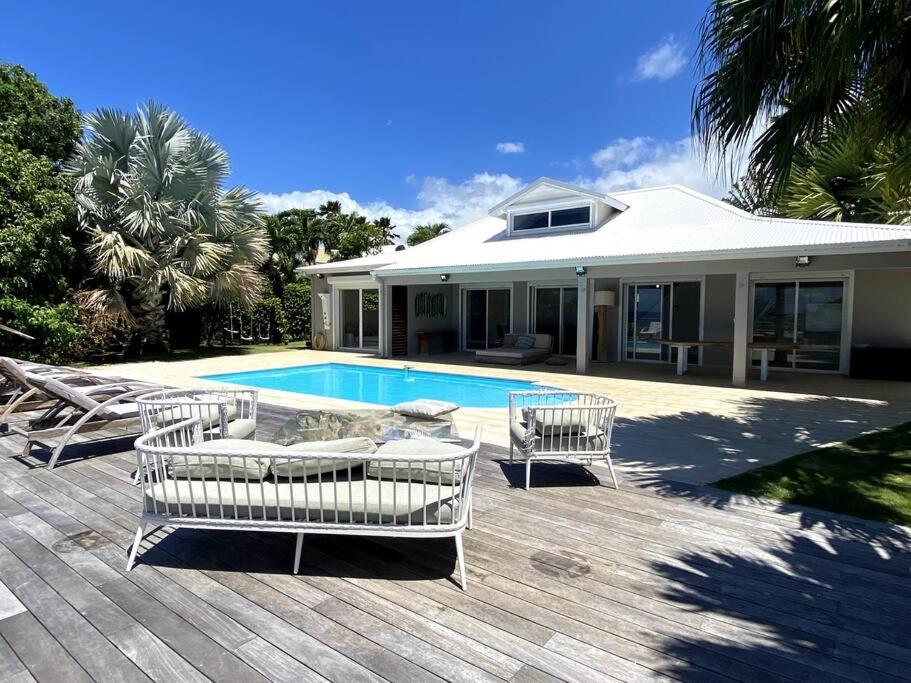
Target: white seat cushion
[388, 469]
[223, 466]
[376, 500]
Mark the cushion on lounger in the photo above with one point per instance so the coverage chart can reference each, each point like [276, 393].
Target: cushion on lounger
[525, 341]
[425, 407]
[309, 467]
[443, 473]
[193, 466]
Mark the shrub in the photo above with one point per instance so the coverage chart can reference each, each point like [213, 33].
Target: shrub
[297, 310]
[59, 333]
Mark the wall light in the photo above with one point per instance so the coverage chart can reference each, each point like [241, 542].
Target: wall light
[802, 261]
[580, 271]
[320, 276]
[444, 277]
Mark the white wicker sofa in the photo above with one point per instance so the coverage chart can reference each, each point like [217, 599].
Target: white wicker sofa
[418, 488]
[560, 425]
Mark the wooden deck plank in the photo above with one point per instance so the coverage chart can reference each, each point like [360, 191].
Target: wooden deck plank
[565, 581]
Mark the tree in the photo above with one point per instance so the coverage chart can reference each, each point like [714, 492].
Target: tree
[428, 231]
[163, 230]
[34, 120]
[37, 212]
[295, 236]
[384, 223]
[844, 176]
[800, 66]
[351, 236]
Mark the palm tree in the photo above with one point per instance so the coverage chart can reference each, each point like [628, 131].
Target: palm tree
[163, 231]
[296, 236]
[428, 231]
[788, 70]
[384, 223]
[845, 176]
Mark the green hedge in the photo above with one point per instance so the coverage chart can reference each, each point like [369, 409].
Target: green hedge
[59, 333]
[297, 310]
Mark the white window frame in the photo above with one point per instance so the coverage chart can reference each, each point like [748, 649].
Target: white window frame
[847, 313]
[463, 308]
[549, 208]
[360, 321]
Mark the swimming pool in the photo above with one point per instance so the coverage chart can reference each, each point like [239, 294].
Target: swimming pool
[384, 386]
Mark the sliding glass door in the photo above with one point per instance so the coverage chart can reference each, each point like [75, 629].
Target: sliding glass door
[809, 313]
[487, 316]
[667, 310]
[360, 318]
[555, 310]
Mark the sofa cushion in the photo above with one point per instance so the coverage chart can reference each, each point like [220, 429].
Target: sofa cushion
[425, 407]
[200, 461]
[557, 422]
[334, 502]
[433, 473]
[311, 466]
[525, 341]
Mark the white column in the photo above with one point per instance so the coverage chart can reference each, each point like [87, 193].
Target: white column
[385, 319]
[583, 325]
[741, 327]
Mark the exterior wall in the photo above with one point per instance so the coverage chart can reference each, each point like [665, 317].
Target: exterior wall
[882, 307]
[449, 322]
[319, 286]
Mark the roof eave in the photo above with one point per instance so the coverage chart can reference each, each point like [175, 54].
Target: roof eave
[677, 257]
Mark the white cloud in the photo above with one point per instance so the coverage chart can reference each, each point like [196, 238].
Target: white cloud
[510, 147]
[663, 61]
[630, 163]
[438, 200]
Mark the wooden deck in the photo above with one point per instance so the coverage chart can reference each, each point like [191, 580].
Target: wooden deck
[571, 580]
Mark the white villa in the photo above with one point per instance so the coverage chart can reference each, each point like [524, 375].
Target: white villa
[639, 276]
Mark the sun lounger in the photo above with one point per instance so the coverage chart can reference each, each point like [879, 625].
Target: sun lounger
[77, 410]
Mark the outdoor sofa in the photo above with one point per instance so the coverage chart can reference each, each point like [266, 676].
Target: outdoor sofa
[416, 488]
[518, 349]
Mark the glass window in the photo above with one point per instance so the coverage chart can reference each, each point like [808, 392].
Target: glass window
[351, 319]
[370, 310]
[529, 221]
[576, 216]
[806, 313]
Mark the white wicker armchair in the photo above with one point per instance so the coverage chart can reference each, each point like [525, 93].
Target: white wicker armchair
[223, 413]
[560, 425]
[260, 486]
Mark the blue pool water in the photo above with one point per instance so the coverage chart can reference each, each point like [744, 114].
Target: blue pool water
[384, 386]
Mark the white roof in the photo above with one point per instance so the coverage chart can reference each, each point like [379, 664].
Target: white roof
[670, 223]
[364, 263]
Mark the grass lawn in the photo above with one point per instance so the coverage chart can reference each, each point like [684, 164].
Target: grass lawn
[867, 477]
[203, 352]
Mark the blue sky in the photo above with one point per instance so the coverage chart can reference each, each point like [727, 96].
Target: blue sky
[421, 110]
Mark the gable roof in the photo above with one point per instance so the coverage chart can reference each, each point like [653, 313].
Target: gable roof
[671, 223]
[500, 209]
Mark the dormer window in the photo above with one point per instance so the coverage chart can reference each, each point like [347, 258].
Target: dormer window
[562, 218]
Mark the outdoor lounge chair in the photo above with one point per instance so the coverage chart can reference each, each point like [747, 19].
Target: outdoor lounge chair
[560, 425]
[20, 395]
[518, 349]
[77, 410]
